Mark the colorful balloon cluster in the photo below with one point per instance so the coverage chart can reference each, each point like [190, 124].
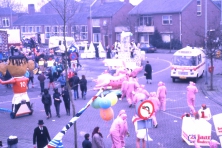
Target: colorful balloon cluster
[104, 104]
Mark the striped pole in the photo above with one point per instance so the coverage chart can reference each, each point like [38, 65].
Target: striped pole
[56, 142]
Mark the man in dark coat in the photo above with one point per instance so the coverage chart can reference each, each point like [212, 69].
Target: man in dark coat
[86, 143]
[41, 135]
[75, 86]
[66, 99]
[148, 72]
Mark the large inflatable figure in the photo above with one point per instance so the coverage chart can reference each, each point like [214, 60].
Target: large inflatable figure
[17, 66]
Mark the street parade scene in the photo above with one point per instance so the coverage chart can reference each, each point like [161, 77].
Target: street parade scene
[110, 91]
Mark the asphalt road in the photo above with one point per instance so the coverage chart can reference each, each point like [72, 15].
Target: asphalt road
[167, 135]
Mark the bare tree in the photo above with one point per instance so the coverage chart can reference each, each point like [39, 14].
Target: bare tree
[13, 4]
[66, 10]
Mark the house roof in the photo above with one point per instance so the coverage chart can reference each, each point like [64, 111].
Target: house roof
[80, 18]
[159, 6]
[39, 19]
[6, 11]
[107, 9]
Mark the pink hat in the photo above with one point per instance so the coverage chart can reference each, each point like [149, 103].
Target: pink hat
[160, 83]
[121, 112]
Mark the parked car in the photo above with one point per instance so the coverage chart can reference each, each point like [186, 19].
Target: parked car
[147, 47]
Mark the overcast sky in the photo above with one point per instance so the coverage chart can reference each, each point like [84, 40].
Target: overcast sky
[38, 2]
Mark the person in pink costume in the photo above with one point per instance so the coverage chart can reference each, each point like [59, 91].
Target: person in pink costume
[191, 91]
[124, 87]
[153, 98]
[130, 90]
[161, 94]
[140, 94]
[117, 130]
[212, 144]
[125, 127]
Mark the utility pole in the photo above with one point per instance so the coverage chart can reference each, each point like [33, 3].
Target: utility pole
[206, 60]
[91, 25]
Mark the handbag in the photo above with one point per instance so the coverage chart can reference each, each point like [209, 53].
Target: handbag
[145, 74]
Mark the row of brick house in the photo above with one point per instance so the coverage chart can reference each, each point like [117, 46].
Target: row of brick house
[104, 20]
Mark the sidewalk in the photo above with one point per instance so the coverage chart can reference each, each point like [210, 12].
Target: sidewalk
[216, 94]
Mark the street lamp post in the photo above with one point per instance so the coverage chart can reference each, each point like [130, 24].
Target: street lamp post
[206, 61]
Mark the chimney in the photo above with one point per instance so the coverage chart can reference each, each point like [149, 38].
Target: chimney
[31, 9]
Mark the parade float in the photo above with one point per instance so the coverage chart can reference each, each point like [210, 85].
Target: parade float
[17, 66]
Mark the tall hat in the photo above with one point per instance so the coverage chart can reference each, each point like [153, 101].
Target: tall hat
[40, 122]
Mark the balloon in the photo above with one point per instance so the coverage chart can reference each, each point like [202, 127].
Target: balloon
[104, 103]
[112, 97]
[107, 114]
[95, 103]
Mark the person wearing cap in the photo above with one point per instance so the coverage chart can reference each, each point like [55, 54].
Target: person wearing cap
[204, 112]
[41, 135]
[47, 101]
[191, 92]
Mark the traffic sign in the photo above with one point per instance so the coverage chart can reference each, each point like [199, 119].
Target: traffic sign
[145, 109]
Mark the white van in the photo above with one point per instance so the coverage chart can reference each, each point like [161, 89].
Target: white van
[56, 42]
[188, 62]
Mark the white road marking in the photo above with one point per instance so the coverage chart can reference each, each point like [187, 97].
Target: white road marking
[172, 115]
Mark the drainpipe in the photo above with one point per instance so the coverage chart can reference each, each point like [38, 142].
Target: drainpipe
[180, 26]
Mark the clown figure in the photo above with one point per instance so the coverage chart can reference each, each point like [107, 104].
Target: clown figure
[191, 91]
[153, 98]
[17, 66]
[161, 94]
[204, 112]
[119, 130]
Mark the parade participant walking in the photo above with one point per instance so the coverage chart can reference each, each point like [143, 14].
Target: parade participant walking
[54, 71]
[31, 77]
[75, 86]
[47, 101]
[108, 52]
[41, 79]
[119, 130]
[51, 80]
[97, 138]
[131, 87]
[59, 69]
[148, 73]
[117, 46]
[62, 80]
[86, 143]
[57, 101]
[41, 135]
[83, 86]
[191, 92]
[66, 99]
[161, 94]
[153, 98]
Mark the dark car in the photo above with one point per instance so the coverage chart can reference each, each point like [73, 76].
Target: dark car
[147, 47]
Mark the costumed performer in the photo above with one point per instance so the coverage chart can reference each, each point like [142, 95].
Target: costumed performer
[161, 94]
[191, 92]
[153, 98]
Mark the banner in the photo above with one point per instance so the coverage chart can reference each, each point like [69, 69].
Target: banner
[217, 119]
[196, 131]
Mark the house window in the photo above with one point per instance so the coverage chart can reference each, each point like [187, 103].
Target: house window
[38, 29]
[30, 29]
[47, 32]
[55, 30]
[84, 32]
[5, 22]
[75, 32]
[146, 21]
[23, 29]
[96, 37]
[199, 8]
[167, 19]
[95, 23]
[63, 30]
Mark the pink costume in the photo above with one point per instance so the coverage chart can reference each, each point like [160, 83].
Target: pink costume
[117, 130]
[140, 94]
[124, 87]
[131, 87]
[153, 98]
[191, 91]
[125, 130]
[161, 94]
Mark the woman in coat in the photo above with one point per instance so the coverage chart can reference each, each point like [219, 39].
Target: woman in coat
[51, 80]
[83, 86]
[148, 73]
[66, 99]
[57, 101]
[47, 101]
[97, 139]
